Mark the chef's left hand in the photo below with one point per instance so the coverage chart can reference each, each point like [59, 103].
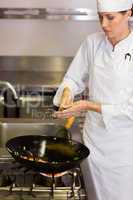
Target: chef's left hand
[74, 110]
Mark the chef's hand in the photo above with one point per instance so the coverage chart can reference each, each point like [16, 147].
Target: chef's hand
[77, 108]
[66, 99]
[73, 110]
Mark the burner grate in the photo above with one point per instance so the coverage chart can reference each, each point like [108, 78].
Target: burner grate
[16, 181]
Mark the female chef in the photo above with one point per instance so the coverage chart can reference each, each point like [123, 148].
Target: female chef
[104, 64]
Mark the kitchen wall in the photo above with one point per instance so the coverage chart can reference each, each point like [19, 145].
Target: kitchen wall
[35, 37]
[49, 3]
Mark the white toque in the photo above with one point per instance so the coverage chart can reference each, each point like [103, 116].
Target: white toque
[114, 5]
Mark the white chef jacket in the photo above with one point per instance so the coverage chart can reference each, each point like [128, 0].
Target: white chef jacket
[108, 74]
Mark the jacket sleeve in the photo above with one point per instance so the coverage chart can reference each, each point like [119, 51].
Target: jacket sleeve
[77, 75]
[114, 113]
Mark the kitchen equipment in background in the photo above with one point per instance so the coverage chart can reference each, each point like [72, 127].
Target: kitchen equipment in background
[77, 14]
[2, 108]
[4, 87]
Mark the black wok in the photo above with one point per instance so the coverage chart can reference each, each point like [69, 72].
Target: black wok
[47, 154]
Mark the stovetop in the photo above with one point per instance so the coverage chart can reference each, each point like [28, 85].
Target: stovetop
[21, 183]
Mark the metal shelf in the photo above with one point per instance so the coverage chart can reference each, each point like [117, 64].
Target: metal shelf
[79, 14]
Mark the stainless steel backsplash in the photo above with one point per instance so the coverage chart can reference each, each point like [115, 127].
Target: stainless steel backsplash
[34, 63]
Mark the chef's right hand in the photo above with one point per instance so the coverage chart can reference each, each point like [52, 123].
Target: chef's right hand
[66, 99]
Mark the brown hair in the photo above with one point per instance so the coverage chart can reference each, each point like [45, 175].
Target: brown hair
[123, 12]
[132, 10]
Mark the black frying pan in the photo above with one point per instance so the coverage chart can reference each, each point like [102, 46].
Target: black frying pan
[47, 154]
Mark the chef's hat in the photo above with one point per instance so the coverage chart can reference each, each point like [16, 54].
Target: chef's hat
[114, 5]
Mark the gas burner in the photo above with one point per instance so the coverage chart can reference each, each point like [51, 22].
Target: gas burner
[54, 175]
[45, 181]
[16, 180]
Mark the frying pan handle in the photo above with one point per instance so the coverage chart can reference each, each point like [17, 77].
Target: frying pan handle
[69, 122]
